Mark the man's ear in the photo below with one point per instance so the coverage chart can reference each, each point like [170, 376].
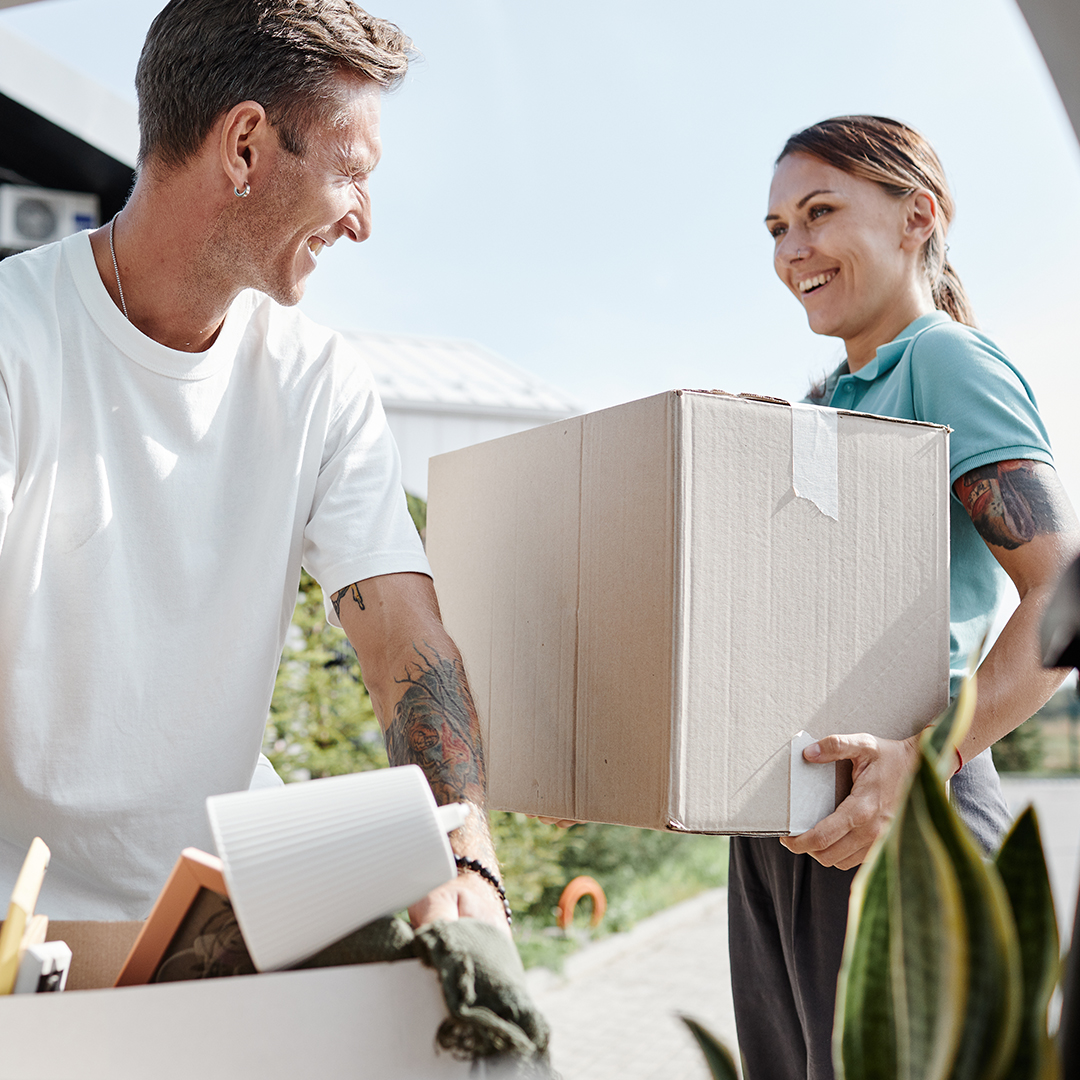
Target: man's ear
[244, 134]
[920, 218]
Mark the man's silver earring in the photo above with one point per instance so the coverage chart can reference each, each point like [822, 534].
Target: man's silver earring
[242, 194]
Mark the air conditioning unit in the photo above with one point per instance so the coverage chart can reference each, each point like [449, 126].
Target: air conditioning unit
[31, 216]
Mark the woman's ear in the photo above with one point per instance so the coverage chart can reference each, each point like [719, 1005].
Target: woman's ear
[920, 219]
[244, 132]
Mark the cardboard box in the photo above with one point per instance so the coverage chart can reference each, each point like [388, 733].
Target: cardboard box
[367, 1020]
[653, 600]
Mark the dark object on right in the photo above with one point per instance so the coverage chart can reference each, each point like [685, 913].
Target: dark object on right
[1061, 648]
[1060, 637]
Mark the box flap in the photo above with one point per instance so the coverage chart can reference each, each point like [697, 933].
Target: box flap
[506, 571]
[625, 613]
[576, 520]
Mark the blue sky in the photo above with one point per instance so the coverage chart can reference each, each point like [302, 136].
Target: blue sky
[579, 184]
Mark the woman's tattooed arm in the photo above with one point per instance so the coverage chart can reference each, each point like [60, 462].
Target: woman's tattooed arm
[1021, 510]
[1012, 502]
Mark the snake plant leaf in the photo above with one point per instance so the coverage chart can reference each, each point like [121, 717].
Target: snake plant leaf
[933, 954]
[992, 1015]
[941, 739]
[864, 1032]
[900, 996]
[1022, 866]
[721, 1063]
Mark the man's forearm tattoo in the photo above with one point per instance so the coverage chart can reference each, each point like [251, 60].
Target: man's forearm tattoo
[1012, 502]
[353, 592]
[436, 727]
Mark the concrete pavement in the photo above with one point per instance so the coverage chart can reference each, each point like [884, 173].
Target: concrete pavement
[614, 1009]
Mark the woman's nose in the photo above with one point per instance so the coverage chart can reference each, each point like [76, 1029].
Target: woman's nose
[793, 247]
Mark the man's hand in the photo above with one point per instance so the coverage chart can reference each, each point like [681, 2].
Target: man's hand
[880, 769]
[468, 895]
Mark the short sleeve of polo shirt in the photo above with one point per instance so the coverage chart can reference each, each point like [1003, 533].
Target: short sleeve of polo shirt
[962, 380]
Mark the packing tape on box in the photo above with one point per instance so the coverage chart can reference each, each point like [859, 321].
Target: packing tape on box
[813, 457]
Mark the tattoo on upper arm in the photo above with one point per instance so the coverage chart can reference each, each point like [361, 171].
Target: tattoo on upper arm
[352, 591]
[1012, 502]
[436, 727]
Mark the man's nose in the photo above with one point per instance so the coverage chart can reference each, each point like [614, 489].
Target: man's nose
[357, 222]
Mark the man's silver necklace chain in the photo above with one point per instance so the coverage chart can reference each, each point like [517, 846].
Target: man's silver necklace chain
[116, 270]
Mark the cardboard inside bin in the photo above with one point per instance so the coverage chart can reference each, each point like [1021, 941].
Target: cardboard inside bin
[653, 600]
[98, 949]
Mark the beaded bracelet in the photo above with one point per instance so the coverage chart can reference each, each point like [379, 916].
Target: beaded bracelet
[479, 868]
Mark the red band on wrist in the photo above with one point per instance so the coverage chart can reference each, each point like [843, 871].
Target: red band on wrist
[959, 756]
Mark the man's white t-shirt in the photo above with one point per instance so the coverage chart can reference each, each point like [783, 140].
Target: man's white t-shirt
[155, 509]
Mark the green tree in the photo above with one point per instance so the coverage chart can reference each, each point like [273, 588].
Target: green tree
[1022, 749]
[531, 854]
[321, 720]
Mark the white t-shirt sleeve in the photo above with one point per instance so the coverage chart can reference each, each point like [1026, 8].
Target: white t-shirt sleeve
[359, 526]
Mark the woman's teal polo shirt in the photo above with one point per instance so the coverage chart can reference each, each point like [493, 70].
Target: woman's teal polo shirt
[943, 372]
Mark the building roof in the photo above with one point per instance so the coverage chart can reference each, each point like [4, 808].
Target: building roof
[65, 97]
[62, 130]
[446, 375]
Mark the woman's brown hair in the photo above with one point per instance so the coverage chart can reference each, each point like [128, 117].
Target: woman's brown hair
[901, 161]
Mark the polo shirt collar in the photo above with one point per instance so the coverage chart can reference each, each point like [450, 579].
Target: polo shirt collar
[888, 355]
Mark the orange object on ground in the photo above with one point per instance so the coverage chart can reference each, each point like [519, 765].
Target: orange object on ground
[579, 887]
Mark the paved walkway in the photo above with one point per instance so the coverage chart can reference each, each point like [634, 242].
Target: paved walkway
[614, 1010]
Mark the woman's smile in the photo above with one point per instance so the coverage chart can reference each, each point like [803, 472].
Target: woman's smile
[818, 281]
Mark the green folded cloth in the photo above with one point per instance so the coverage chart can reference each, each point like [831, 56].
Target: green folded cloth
[483, 983]
[491, 1016]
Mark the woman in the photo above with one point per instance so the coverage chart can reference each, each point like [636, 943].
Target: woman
[859, 209]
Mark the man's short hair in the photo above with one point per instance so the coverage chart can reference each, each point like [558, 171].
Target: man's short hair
[202, 57]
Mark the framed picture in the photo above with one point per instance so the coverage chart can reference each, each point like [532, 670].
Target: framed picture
[192, 932]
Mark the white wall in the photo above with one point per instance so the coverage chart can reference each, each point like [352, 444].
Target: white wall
[423, 434]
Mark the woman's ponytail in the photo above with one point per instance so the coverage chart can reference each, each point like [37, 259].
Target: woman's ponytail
[950, 297]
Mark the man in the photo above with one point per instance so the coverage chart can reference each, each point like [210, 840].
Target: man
[175, 445]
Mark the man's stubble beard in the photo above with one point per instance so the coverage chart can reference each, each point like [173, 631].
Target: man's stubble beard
[250, 244]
